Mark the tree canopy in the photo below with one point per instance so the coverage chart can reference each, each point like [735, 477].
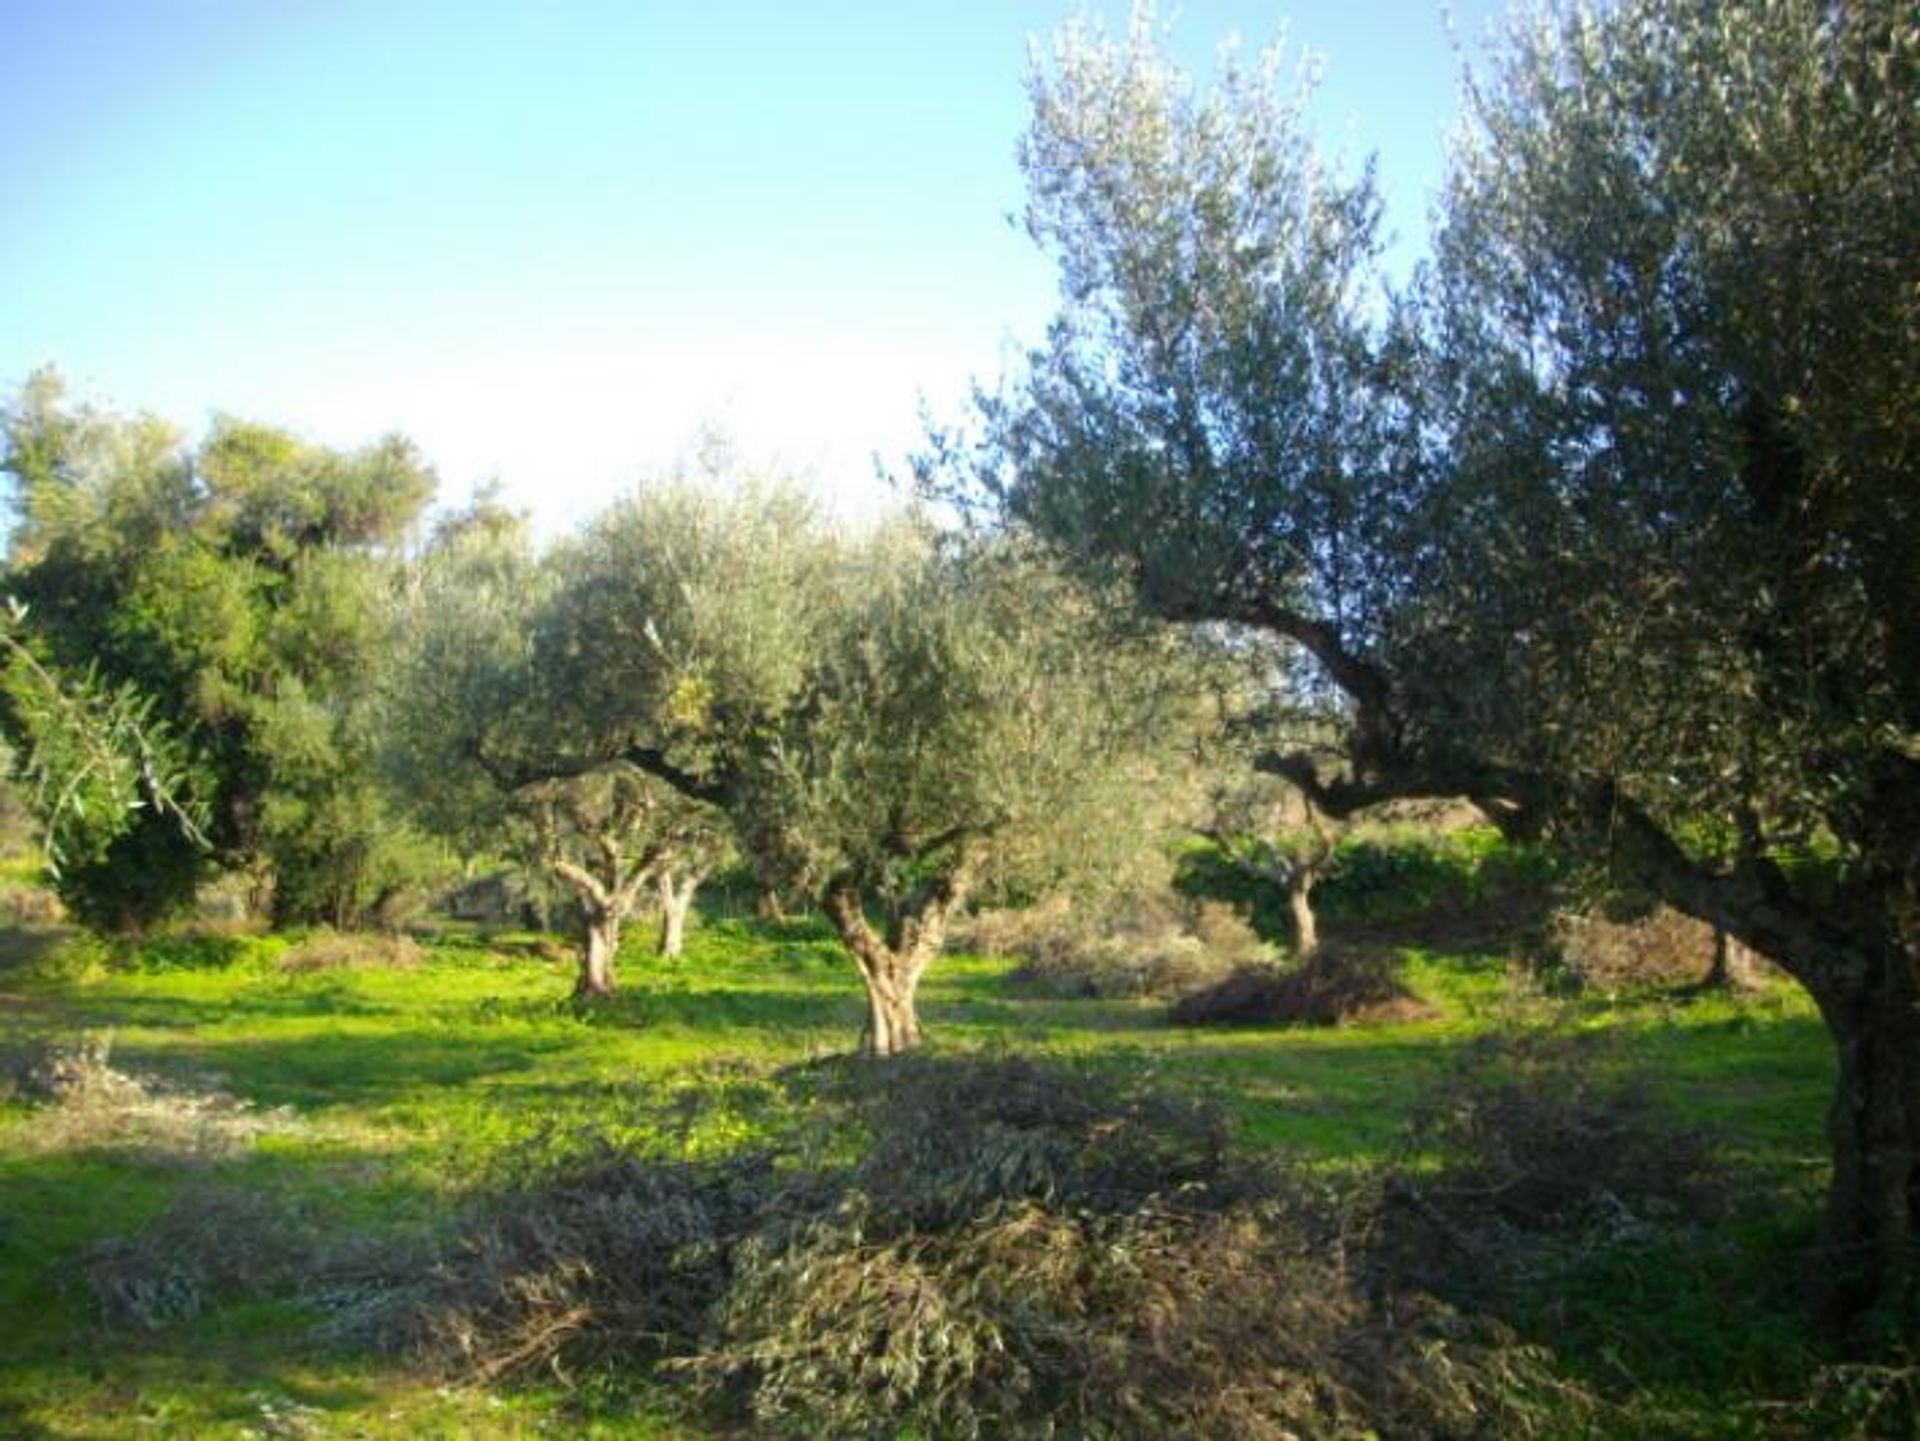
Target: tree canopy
[1608, 523]
[240, 590]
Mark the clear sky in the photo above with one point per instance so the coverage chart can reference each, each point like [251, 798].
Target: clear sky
[551, 241]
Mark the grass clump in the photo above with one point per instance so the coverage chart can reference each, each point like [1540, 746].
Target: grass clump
[330, 950]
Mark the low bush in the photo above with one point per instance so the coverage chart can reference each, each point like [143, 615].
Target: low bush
[1543, 1148]
[1335, 986]
[1611, 952]
[1157, 944]
[215, 1242]
[329, 950]
[612, 1257]
[1014, 1249]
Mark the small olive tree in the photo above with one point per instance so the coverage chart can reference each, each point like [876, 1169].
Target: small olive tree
[971, 715]
[491, 756]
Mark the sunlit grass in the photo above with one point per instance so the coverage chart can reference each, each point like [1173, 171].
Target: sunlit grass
[404, 1089]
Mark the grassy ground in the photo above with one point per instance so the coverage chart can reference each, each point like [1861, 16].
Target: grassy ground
[364, 1103]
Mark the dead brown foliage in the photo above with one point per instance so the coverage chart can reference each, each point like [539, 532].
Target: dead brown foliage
[1333, 987]
[1153, 944]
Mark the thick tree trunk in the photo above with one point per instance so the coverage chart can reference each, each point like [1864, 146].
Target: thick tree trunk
[893, 1025]
[1869, 1269]
[1306, 927]
[598, 948]
[891, 967]
[676, 901]
[1732, 968]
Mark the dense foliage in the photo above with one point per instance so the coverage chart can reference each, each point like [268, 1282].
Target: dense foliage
[238, 593]
[1608, 524]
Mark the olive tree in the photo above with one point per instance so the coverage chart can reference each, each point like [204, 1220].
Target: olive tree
[489, 748]
[885, 722]
[1610, 526]
[971, 715]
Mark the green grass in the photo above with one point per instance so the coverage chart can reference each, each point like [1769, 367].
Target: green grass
[395, 1092]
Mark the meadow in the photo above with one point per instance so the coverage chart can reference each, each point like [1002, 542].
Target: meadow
[230, 1165]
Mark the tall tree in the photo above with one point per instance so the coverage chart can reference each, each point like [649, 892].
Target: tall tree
[243, 587]
[1611, 528]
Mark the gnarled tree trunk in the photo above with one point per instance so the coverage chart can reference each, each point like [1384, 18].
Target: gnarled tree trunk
[1869, 1268]
[676, 902]
[599, 945]
[891, 966]
[1306, 927]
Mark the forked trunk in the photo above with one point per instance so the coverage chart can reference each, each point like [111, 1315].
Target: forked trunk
[1306, 927]
[893, 1026]
[1872, 1226]
[598, 947]
[891, 967]
[676, 901]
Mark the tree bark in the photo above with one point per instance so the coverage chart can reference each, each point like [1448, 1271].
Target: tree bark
[891, 967]
[676, 901]
[1732, 967]
[1306, 927]
[1868, 1267]
[601, 943]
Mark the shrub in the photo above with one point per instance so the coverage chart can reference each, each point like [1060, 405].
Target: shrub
[1333, 987]
[1600, 952]
[199, 949]
[329, 950]
[1543, 1148]
[1157, 944]
[611, 1256]
[1016, 1249]
[215, 1242]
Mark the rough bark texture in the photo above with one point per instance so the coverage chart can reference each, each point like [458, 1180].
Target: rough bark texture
[1733, 965]
[1872, 1222]
[1306, 928]
[676, 891]
[891, 965]
[599, 945]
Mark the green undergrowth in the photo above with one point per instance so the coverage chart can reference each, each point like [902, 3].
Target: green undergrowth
[220, 1227]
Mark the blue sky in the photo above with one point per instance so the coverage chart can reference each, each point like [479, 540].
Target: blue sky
[551, 241]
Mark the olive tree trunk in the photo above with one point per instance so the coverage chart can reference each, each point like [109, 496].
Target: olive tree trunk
[605, 903]
[891, 965]
[676, 894]
[1732, 968]
[1872, 1223]
[599, 944]
[1306, 926]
